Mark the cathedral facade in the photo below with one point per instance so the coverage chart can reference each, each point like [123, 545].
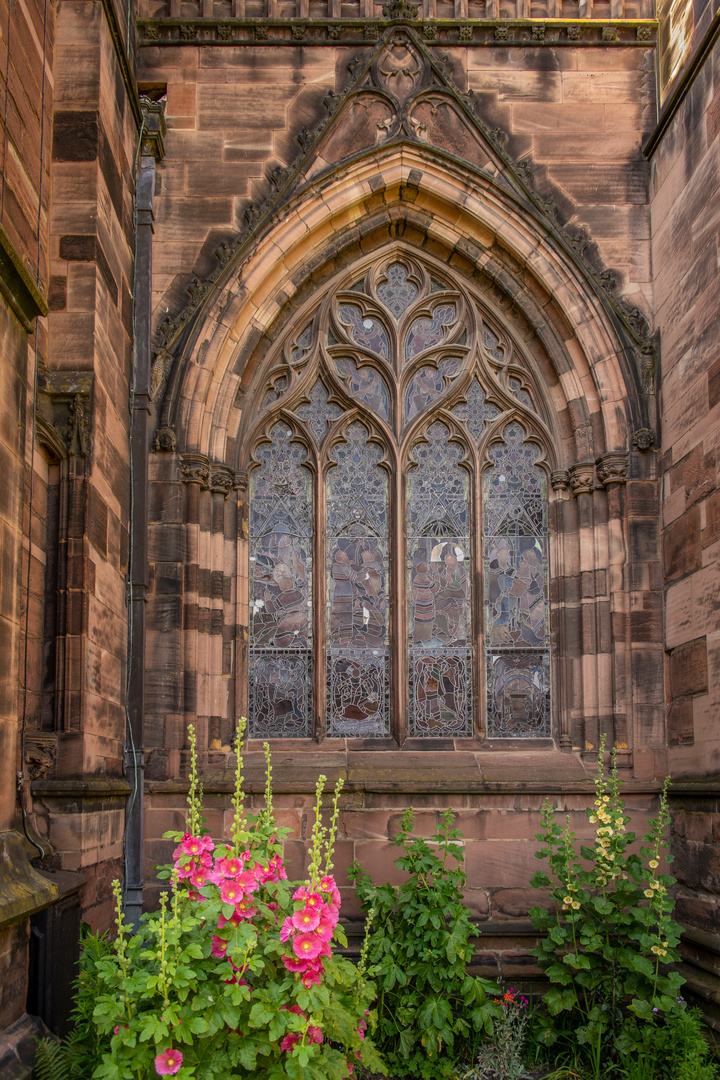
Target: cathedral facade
[361, 379]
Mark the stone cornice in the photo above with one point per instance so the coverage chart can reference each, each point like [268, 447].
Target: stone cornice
[466, 32]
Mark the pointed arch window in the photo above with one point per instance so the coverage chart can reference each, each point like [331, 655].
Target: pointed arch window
[398, 536]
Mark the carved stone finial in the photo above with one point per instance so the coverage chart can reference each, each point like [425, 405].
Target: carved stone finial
[194, 469]
[78, 432]
[559, 479]
[165, 441]
[612, 468]
[643, 439]
[647, 369]
[582, 477]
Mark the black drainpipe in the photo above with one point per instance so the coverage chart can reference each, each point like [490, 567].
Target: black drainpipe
[150, 150]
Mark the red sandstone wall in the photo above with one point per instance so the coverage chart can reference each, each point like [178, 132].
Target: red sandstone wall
[578, 114]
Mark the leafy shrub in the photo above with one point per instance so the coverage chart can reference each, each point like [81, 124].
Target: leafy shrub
[419, 945]
[235, 975]
[668, 1048]
[610, 934]
[502, 1057]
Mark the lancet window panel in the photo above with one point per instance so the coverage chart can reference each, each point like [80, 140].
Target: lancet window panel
[398, 530]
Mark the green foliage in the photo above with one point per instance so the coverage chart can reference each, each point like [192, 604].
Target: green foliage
[419, 945]
[610, 934]
[502, 1058]
[211, 986]
[670, 1048]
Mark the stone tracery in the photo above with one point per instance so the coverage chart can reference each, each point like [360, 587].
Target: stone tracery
[397, 404]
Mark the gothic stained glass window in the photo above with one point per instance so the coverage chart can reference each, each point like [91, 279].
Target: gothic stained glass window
[318, 412]
[396, 292]
[365, 330]
[358, 680]
[365, 384]
[346, 615]
[439, 582]
[280, 629]
[515, 560]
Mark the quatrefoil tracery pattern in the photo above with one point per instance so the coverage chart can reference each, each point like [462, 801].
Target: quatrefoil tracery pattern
[400, 398]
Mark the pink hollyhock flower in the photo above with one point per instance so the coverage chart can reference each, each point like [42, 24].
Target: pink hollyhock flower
[219, 947]
[279, 867]
[350, 1068]
[230, 867]
[185, 869]
[306, 946]
[313, 975]
[290, 1040]
[199, 879]
[301, 894]
[247, 881]
[168, 1063]
[193, 894]
[294, 965]
[287, 929]
[315, 1034]
[234, 920]
[231, 892]
[324, 927]
[192, 845]
[245, 909]
[306, 919]
[330, 889]
[246, 856]
[207, 843]
[205, 860]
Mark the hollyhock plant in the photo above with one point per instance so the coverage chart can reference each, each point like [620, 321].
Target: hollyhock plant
[235, 975]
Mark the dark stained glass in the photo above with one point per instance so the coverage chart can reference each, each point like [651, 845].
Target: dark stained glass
[279, 695]
[397, 293]
[424, 332]
[357, 589]
[519, 393]
[276, 391]
[318, 413]
[429, 385]
[365, 384]
[280, 588]
[476, 411]
[365, 330]
[439, 588]
[516, 590]
[301, 345]
[493, 346]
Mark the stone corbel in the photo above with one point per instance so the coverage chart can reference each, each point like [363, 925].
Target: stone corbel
[64, 408]
[154, 128]
[194, 469]
[221, 480]
[612, 468]
[560, 480]
[582, 477]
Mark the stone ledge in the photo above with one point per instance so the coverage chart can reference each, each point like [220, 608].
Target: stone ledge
[23, 890]
[17, 286]
[114, 787]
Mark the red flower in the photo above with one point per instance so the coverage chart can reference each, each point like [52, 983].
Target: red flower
[290, 1040]
[230, 892]
[314, 1034]
[306, 919]
[219, 947]
[168, 1063]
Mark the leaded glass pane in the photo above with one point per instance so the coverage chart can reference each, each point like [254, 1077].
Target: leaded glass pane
[365, 384]
[439, 580]
[397, 293]
[516, 576]
[301, 345]
[358, 697]
[428, 385]
[318, 413]
[365, 329]
[493, 346]
[476, 411]
[424, 332]
[280, 632]
[520, 394]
